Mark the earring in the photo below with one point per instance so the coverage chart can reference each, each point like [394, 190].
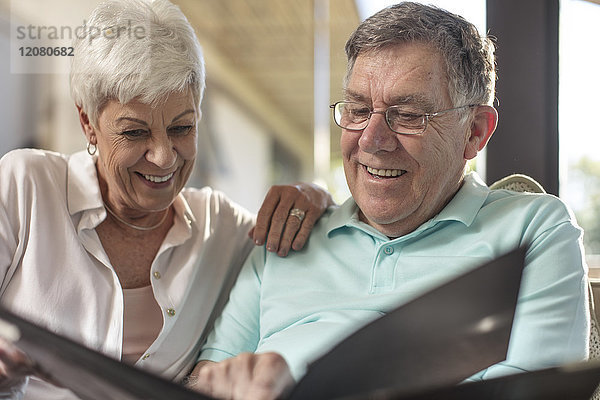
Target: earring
[91, 149]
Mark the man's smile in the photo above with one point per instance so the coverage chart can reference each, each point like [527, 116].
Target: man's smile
[385, 173]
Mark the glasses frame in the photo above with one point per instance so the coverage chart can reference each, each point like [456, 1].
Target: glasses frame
[426, 116]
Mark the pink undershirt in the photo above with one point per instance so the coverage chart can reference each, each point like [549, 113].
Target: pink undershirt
[142, 322]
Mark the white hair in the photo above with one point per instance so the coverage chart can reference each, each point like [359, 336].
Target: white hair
[130, 49]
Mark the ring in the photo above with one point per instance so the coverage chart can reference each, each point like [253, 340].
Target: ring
[298, 213]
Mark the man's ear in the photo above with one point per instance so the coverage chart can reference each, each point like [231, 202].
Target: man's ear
[86, 125]
[483, 126]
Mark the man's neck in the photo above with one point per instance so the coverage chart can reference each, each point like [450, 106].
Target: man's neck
[410, 223]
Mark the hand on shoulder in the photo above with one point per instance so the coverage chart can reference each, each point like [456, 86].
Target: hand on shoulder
[287, 216]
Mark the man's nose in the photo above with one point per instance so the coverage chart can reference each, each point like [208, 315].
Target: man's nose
[377, 135]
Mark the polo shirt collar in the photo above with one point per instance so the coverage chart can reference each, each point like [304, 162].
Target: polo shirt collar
[463, 207]
[344, 215]
[467, 202]
[347, 216]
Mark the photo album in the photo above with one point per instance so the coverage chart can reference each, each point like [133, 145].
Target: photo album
[421, 350]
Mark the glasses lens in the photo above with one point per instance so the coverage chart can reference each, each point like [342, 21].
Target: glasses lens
[402, 120]
[353, 116]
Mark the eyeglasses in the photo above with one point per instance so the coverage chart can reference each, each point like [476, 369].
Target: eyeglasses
[401, 119]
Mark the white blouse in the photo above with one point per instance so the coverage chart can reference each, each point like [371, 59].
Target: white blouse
[54, 271]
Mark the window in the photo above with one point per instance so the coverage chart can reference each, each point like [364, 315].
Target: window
[579, 102]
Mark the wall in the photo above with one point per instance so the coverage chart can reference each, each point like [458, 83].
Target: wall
[36, 110]
[234, 151]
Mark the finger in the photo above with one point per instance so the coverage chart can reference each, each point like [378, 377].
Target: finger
[271, 377]
[227, 378]
[241, 375]
[299, 229]
[220, 382]
[204, 378]
[13, 362]
[200, 380]
[306, 227]
[3, 372]
[263, 218]
[278, 221]
[292, 226]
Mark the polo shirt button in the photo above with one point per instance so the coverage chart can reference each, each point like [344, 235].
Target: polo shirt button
[156, 274]
[389, 250]
[171, 312]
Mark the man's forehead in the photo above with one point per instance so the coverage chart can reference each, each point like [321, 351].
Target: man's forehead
[415, 99]
[407, 73]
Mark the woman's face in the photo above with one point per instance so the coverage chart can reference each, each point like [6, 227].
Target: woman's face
[146, 154]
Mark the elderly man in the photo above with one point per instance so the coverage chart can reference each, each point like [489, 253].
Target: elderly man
[417, 106]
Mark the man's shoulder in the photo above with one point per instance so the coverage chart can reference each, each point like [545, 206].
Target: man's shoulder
[531, 204]
[510, 203]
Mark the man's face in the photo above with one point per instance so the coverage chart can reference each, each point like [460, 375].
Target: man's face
[428, 168]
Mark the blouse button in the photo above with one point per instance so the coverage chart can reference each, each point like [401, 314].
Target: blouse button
[156, 274]
[171, 312]
[146, 356]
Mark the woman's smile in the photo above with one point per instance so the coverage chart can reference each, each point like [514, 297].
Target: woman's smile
[157, 180]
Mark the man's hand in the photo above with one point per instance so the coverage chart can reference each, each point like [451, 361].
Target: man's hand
[286, 231]
[249, 376]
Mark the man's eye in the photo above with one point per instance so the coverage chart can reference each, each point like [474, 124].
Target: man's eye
[409, 116]
[180, 130]
[403, 115]
[360, 112]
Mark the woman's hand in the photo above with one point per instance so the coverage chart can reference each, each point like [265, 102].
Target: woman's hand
[287, 231]
[249, 376]
[14, 364]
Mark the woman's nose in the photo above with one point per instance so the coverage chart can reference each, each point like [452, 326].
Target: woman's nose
[161, 151]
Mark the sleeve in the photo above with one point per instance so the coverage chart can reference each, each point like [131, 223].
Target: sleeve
[551, 325]
[9, 243]
[237, 330]
[9, 218]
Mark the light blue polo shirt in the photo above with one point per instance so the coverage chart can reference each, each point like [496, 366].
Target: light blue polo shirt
[349, 273]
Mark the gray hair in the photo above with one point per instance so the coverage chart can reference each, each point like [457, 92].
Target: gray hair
[469, 57]
[135, 48]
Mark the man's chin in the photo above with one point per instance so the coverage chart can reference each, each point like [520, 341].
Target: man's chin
[378, 220]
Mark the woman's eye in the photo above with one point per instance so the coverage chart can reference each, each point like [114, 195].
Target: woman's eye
[134, 133]
[180, 130]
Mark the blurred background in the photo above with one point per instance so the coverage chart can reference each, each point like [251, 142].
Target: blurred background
[274, 66]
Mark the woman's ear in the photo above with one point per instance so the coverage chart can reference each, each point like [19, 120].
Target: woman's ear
[86, 125]
[483, 126]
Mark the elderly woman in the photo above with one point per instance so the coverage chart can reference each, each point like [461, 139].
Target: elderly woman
[106, 246]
